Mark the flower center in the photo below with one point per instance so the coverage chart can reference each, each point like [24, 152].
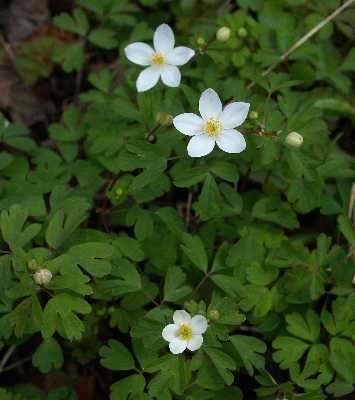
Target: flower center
[157, 59]
[213, 127]
[184, 332]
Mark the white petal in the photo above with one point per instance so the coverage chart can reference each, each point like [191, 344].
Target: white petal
[234, 114]
[139, 53]
[199, 324]
[147, 79]
[200, 145]
[179, 56]
[210, 105]
[231, 141]
[169, 332]
[177, 346]
[188, 124]
[181, 317]
[170, 75]
[164, 39]
[195, 343]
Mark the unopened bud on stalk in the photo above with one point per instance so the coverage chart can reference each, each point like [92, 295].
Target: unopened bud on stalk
[213, 315]
[223, 34]
[294, 139]
[42, 277]
[201, 41]
[242, 32]
[254, 115]
[164, 119]
[32, 264]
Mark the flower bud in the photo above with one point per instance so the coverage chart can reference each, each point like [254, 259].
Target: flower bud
[242, 32]
[201, 41]
[223, 34]
[294, 139]
[213, 315]
[42, 277]
[120, 190]
[32, 264]
[254, 115]
[164, 119]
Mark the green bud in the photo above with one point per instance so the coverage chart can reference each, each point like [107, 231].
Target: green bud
[223, 34]
[213, 315]
[201, 41]
[294, 139]
[254, 115]
[242, 32]
[164, 119]
[120, 190]
[32, 264]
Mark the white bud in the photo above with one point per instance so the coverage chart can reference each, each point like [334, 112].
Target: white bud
[294, 139]
[223, 34]
[42, 277]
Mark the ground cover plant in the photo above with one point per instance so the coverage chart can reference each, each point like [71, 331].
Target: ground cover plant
[177, 199]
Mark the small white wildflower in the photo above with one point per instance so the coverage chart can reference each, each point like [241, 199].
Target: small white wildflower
[215, 126]
[162, 61]
[42, 277]
[185, 332]
[294, 139]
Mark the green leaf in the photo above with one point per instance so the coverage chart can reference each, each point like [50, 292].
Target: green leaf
[307, 329]
[194, 249]
[223, 364]
[78, 23]
[129, 247]
[210, 203]
[126, 279]
[225, 170]
[70, 56]
[342, 356]
[250, 349]
[289, 350]
[349, 62]
[187, 177]
[274, 210]
[70, 129]
[133, 385]
[48, 356]
[61, 312]
[346, 228]
[13, 228]
[93, 257]
[116, 357]
[174, 288]
[104, 38]
[63, 224]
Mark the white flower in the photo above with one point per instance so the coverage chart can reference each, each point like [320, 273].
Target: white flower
[185, 332]
[215, 126]
[162, 61]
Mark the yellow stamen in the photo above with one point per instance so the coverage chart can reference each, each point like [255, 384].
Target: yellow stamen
[213, 127]
[184, 332]
[157, 59]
